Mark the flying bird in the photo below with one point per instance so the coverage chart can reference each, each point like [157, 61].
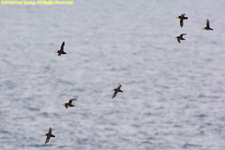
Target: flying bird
[61, 49]
[182, 17]
[49, 135]
[117, 90]
[179, 38]
[69, 104]
[207, 25]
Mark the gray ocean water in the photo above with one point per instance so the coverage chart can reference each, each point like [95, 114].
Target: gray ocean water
[174, 94]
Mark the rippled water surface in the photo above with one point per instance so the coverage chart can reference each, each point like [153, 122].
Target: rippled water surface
[174, 94]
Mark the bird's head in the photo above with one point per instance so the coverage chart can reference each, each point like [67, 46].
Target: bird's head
[175, 37]
[113, 89]
[44, 134]
[177, 17]
[56, 51]
[63, 104]
[203, 28]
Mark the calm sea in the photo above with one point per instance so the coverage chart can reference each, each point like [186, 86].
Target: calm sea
[174, 94]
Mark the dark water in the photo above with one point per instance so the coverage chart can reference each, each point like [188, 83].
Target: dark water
[173, 95]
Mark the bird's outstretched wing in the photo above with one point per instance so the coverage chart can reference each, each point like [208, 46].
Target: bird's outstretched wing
[71, 100]
[178, 40]
[182, 15]
[207, 23]
[114, 95]
[119, 86]
[181, 23]
[50, 131]
[181, 35]
[62, 46]
[47, 139]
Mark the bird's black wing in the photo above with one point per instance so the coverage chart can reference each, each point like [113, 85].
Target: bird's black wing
[71, 100]
[207, 23]
[182, 15]
[114, 95]
[62, 46]
[50, 131]
[181, 35]
[47, 139]
[119, 86]
[181, 23]
[178, 39]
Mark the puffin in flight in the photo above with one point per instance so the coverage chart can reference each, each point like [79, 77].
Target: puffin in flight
[117, 90]
[182, 17]
[61, 49]
[207, 25]
[49, 135]
[180, 37]
[69, 104]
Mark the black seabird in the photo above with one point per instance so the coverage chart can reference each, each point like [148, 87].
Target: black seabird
[207, 25]
[180, 37]
[182, 17]
[61, 49]
[69, 104]
[117, 90]
[49, 135]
